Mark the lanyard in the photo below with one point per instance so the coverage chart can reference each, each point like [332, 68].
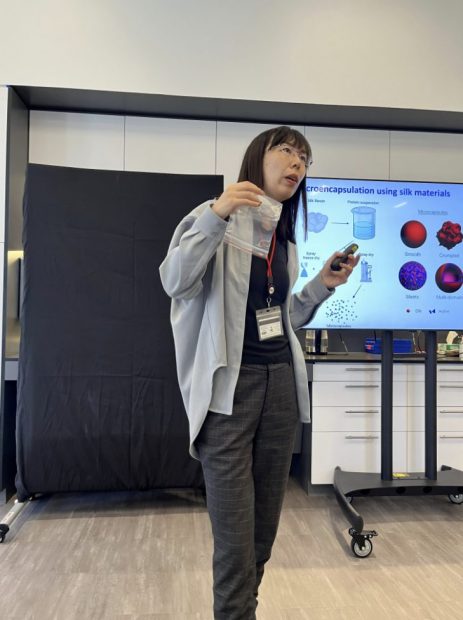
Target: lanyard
[270, 284]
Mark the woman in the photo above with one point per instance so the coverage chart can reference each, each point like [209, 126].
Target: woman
[244, 391]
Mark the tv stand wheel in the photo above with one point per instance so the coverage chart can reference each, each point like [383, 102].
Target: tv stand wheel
[456, 499]
[361, 552]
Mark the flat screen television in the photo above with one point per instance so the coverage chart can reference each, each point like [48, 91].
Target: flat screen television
[410, 274]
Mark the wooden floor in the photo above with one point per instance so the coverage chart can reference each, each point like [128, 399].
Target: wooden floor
[147, 556]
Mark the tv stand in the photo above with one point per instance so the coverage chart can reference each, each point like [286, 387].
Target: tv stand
[448, 481]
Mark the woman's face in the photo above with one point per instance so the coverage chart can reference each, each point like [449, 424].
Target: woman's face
[284, 167]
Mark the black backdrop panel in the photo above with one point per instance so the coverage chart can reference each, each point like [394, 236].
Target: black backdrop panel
[98, 401]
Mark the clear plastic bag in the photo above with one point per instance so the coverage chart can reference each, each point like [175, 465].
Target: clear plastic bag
[251, 228]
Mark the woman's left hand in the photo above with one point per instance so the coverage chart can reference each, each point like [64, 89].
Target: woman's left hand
[332, 279]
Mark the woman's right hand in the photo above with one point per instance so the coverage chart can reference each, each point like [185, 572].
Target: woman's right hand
[243, 194]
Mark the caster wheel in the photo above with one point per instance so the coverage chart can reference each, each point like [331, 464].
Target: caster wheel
[456, 499]
[4, 529]
[359, 551]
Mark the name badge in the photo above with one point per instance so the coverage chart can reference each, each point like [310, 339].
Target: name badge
[269, 323]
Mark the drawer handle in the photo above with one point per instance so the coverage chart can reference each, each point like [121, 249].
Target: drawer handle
[451, 411]
[361, 369]
[450, 369]
[371, 385]
[361, 437]
[451, 387]
[451, 436]
[361, 411]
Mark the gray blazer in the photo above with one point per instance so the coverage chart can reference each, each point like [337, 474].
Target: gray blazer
[208, 281]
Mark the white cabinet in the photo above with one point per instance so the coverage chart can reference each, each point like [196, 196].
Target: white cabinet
[449, 450]
[362, 393]
[352, 451]
[449, 419]
[349, 372]
[449, 385]
[346, 419]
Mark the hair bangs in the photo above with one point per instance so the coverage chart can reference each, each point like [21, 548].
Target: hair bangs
[290, 136]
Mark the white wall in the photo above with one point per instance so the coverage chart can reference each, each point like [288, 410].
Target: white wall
[3, 144]
[170, 145]
[349, 153]
[3, 171]
[77, 140]
[387, 53]
[209, 147]
[417, 156]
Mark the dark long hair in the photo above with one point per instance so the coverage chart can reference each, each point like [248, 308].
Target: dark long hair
[252, 170]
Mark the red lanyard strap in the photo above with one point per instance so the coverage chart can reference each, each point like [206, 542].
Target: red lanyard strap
[270, 285]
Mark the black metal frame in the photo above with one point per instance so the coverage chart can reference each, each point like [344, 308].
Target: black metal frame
[448, 481]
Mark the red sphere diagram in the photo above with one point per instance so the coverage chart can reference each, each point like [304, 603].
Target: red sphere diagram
[413, 233]
[449, 277]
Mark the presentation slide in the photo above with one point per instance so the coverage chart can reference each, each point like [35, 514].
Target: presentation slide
[410, 241]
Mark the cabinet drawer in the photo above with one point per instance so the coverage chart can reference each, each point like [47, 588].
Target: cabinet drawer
[448, 419]
[355, 419]
[346, 372]
[352, 452]
[348, 393]
[450, 372]
[355, 372]
[326, 393]
[346, 419]
[449, 450]
[449, 394]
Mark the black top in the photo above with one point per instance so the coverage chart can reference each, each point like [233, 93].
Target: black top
[275, 350]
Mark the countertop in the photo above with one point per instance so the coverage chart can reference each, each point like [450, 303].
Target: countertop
[11, 363]
[339, 356]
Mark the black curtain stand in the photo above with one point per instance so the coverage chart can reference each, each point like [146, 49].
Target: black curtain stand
[448, 481]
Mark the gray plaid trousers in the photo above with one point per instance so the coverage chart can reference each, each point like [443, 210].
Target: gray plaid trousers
[246, 458]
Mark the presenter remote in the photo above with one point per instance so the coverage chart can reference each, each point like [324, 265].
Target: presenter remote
[336, 264]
